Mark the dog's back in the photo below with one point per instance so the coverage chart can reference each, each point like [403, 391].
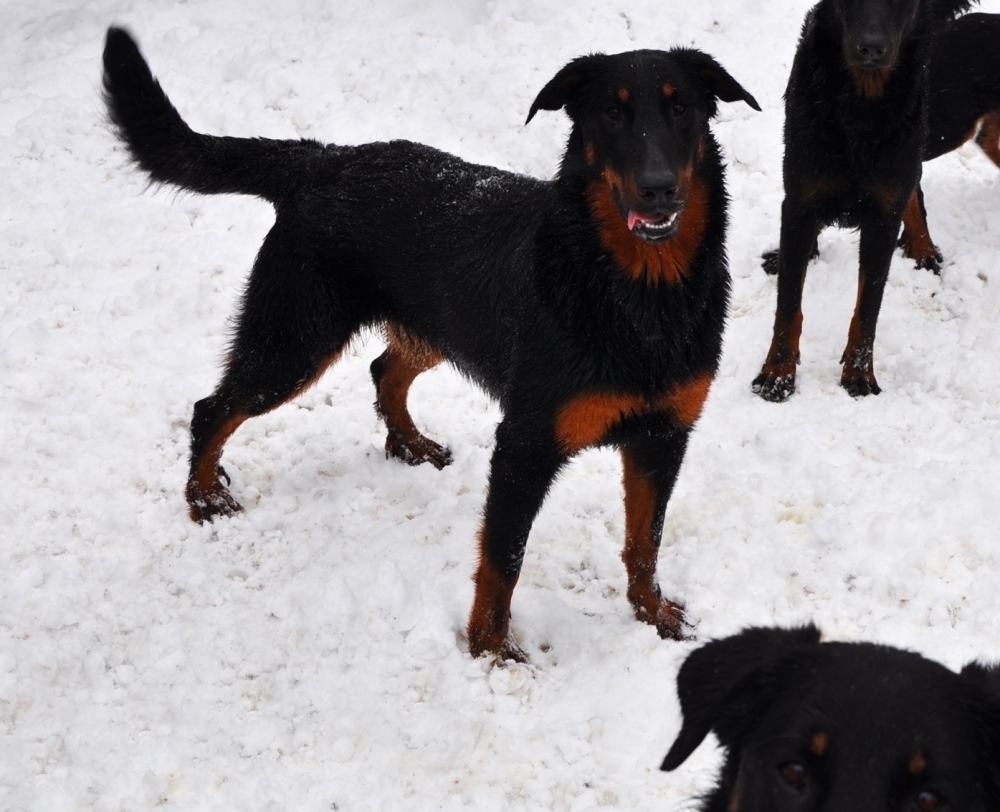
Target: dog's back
[476, 223]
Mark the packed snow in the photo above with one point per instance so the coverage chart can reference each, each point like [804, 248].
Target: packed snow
[309, 654]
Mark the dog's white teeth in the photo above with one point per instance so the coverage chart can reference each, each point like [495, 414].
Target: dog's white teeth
[663, 225]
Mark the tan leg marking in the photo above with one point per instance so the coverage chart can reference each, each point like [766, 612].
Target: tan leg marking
[404, 359]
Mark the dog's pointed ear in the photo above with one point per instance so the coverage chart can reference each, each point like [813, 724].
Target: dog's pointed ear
[724, 683]
[565, 84]
[714, 79]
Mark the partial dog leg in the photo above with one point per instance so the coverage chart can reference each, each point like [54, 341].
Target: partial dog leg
[988, 136]
[393, 371]
[769, 259]
[649, 473]
[877, 245]
[916, 239]
[799, 231]
[211, 425]
[245, 391]
[521, 471]
[290, 330]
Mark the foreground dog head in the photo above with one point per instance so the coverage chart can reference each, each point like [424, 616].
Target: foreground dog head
[639, 120]
[840, 727]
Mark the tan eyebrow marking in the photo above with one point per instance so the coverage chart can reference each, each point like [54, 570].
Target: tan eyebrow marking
[819, 743]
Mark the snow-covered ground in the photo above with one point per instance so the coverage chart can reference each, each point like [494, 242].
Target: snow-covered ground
[309, 654]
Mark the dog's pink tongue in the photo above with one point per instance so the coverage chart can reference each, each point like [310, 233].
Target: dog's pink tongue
[634, 217]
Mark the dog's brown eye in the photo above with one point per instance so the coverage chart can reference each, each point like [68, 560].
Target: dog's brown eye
[679, 109]
[795, 774]
[613, 113]
[928, 801]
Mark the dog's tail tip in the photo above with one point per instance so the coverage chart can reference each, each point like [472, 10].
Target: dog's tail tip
[119, 46]
[125, 69]
[118, 35]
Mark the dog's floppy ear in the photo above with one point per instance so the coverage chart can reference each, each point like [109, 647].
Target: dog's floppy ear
[724, 682]
[714, 79]
[565, 84]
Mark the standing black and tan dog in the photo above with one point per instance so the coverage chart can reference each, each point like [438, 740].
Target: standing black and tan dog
[839, 727]
[855, 126]
[590, 307]
[964, 104]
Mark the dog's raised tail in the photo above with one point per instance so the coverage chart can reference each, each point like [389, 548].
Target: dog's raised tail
[170, 152]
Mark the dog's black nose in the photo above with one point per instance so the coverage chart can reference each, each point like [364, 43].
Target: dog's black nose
[872, 46]
[657, 187]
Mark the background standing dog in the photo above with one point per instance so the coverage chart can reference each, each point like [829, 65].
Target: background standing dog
[843, 727]
[964, 104]
[855, 118]
[591, 307]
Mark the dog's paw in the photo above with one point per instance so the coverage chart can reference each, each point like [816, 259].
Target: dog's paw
[204, 504]
[858, 377]
[506, 648]
[927, 257]
[774, 386]
[931, 263]
[859, 384]
[416, 451]
[668, 618]
[769, 259]
[769, 262]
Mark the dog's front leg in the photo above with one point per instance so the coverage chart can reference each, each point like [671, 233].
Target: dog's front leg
[650, 470]
[521, 471]
[878, 241]
[799, 230]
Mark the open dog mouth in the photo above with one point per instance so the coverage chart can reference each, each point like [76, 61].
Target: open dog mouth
[654, 227]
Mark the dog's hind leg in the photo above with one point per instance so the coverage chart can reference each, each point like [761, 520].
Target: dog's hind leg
[877, 244]
[291, 327]
[649, 473]
[916, 239]
[521, 471]
[393, 372]
[799, 231]
[988, 136]
[250, 388]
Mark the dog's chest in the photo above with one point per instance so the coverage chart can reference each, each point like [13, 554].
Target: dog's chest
[591, 418]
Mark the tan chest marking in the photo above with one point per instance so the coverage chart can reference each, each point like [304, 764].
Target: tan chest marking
[586, 419]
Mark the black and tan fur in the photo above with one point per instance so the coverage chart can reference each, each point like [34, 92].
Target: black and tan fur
[591, 307]
[855, 128]
[839, 727]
